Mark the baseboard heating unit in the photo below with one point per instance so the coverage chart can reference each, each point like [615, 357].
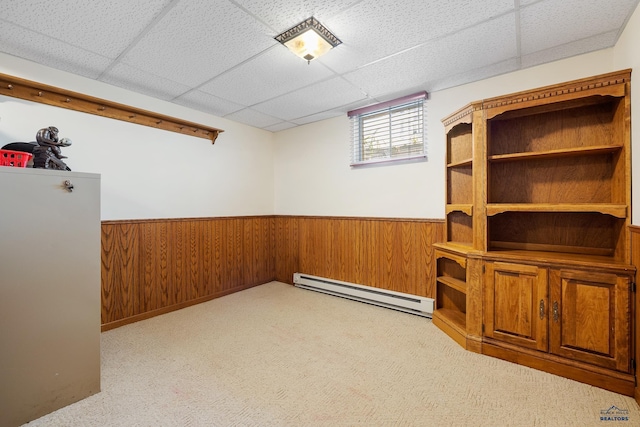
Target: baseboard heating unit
[390, 299]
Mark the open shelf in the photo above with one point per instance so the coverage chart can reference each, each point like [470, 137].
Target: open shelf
[455, 318]
[464, 162]
[615, 210]
[459, 227]
[459, 145]
[550, 230]
[452, 282]
[564, 152]
[546, 250]
[557, 132]
[514, 254]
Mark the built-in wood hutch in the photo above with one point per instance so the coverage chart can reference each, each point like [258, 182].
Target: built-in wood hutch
[536, 267]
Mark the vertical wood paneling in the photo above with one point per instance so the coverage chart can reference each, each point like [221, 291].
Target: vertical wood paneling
[286, 248]
[206, 271]
[120, 278]
[389, 254]
[196, 256]
[155, 266]
[151, 267]
[176, 259]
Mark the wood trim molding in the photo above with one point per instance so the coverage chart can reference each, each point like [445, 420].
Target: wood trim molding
[165, 220]
[37, 92]
[607, 84]
[635, 304]
[363, 218]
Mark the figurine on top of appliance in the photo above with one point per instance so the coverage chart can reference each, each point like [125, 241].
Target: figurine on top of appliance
[47, 154]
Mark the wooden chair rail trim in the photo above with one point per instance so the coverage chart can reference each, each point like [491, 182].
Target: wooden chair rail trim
[352, 218]
[164, 220]
[37, 92]
[364, 218]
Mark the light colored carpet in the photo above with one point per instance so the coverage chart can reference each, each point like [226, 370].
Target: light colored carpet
[275, 355]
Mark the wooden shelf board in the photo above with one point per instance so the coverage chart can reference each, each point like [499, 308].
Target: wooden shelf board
[464, 162]
[551, 248]
[618, 211]
[452, 282]
[58, 97]
[454, 318]
[564, 152]
[460, 207]
[456, 251]
[462, 247]
[558, 259]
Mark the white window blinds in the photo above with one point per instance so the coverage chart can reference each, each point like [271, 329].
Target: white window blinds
[389, 131]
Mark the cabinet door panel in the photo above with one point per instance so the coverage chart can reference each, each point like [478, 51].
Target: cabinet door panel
[590, 317]
[517, 304]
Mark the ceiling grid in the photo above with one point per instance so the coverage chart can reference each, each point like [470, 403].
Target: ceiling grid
[220, 56]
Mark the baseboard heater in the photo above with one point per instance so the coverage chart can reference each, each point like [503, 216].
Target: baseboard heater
[390, 299]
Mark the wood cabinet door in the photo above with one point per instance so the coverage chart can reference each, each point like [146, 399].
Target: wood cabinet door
[516, 304]
[590, 317]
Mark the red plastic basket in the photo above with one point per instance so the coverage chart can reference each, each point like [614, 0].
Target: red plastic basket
[16, 159]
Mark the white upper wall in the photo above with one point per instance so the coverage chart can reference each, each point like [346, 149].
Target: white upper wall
[626, 54]
[147, 172]
[312, 173]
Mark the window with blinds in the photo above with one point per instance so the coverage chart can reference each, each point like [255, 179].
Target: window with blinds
[393, 130]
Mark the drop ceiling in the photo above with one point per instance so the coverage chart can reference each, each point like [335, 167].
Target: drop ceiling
[220, 56]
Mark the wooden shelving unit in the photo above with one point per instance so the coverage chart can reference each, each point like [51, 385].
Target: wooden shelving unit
[456, 311]
[538, 206]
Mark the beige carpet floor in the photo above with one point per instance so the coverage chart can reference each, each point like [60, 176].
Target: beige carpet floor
[275, 355]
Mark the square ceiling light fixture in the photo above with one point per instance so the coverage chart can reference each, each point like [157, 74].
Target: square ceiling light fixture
[309, 39]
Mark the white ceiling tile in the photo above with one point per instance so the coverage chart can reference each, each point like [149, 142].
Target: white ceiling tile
[284, 14]
[312, 99]
[551, 23]
[219, 56]
[578, 47]
[208, 103]
[253, 118]
[266, 76]
[473, 75]
[280, 126]
[374, 29]
[204, 39]
[140, 81]
[51, 52]
[488, 43]
[320, 116]
[103, 27]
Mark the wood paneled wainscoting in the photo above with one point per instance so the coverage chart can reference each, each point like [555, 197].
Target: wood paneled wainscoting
[151, 267]
[392, 254]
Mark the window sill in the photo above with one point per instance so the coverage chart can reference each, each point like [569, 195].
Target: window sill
[388, 160]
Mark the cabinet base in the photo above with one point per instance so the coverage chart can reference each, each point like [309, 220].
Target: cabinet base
[454, 331]
[615, 381]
